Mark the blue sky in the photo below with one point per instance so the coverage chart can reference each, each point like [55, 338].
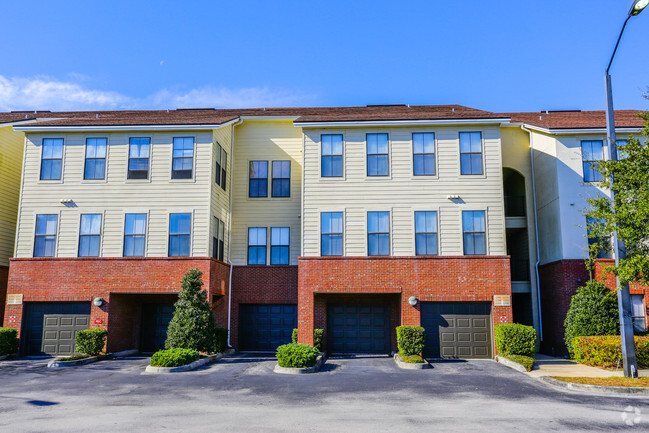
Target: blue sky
[495, 55]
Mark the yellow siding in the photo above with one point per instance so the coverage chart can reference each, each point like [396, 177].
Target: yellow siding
[11, 155]
[220, 205]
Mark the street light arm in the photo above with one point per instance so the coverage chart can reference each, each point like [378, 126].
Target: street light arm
[617, 43]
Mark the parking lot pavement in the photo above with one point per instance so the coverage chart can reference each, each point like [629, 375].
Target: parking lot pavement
[241, 393]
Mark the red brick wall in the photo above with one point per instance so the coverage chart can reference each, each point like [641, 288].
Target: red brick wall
[4, 276]
[440, 278]
[83, 279]
[258, 284]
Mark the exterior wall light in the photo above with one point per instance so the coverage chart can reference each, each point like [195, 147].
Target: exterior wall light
[98, 302]
[413, 300]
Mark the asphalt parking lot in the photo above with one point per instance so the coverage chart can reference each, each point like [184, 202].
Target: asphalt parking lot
[241, 393]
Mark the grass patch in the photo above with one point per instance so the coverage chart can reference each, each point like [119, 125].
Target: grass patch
[412, 359]
[73, 358]
[525, 361]
[642, 382]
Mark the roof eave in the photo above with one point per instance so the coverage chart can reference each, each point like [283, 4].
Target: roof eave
[402, 122]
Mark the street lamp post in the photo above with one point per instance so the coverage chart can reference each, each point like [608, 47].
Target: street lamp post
[623, 295]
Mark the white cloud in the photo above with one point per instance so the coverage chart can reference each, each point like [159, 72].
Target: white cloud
[46, 93]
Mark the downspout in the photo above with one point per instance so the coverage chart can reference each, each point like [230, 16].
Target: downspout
[536, 233]
[230, 231]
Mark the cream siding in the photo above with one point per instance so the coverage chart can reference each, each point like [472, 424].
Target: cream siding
[401, 193]
[220, 199]
[11, 156]
[116, 195]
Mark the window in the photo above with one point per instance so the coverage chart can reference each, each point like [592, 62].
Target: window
[423, 154]
[89, 235]
[179, 234]
[134, 234]
[257, 245]
[221, 163]
[377, 154]
[332, 155]
[95, 166]
[605, 247]
[331, 237]
[279, 245]
[281, 178]
[621, 154]
[138, 158]
[218, 239]
[473, 227]
[470, 152]
[183, 158]
[378, 233]
[258, 179]
[591, 152]
[637, 313]
[45, 240]
[51, 159]
[426, 233]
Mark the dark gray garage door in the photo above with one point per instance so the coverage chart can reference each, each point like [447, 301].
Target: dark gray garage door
[358, 328]
[263, 327]
[457, 329]
[50, 328]
[155, 321]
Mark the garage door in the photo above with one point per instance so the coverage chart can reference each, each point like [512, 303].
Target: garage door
[358, 328]
[155, 321]
[263, 327]
[50, 328]
[457, 329]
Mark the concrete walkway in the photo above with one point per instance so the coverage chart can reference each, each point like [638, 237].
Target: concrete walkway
[549, 366]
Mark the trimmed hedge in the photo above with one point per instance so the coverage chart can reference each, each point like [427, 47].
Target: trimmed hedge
[525, 361]
[91, 341]
[515, 339]
[220, 340]
[318, 335]
[296, 355]
[174, 357]
[606, 350]
[411, 340]
[8, 341]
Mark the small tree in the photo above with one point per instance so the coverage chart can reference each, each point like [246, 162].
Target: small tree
[593, 311]
[193, 325]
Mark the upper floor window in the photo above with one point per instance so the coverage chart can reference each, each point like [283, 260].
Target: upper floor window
[134, 234]
[621, 154]
[180, 234]
[279, 245]
[331, 234]
[257, 239]
[89, 235]
[51, 159]
[95, 166]
[281, 178]
[377, 154]
[601, 247]
[470, 152]
[423, 153]
[45, 240]
[258, 182]
[378, 233]
[138, 158]
[332, 155]
[591, 153]
[183, 158]
[218, 239]
[473, 228]
[221, 163]
[426, 233]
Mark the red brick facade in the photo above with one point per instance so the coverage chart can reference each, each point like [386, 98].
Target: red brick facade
[443, 279]
[122, 282]
[4, 277]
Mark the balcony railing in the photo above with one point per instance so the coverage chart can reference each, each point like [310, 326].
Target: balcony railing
[514, 206]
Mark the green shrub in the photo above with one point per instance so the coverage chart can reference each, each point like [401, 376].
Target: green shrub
[525, 361]
[411, 340]
[174, 357]
[412, 359]
[193, 325]
[318, 335]
[606, 350]
[91, 341]
[515, 339]
[296, 355]
[220, 340]
[8, 341]
[593, 311]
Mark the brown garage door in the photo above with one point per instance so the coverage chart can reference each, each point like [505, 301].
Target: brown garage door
[60, 332]
[457, 329]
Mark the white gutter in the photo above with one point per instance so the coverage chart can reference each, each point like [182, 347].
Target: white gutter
[402, 122]
[54, 128]
[575, 131]
[238, 121]
[536, 233]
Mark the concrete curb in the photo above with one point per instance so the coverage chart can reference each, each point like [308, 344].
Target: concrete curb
[189, 367]
[511, 364]
[293, 370]
[9, 355]
[623, 391]
[55, 363]
[409, 366]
